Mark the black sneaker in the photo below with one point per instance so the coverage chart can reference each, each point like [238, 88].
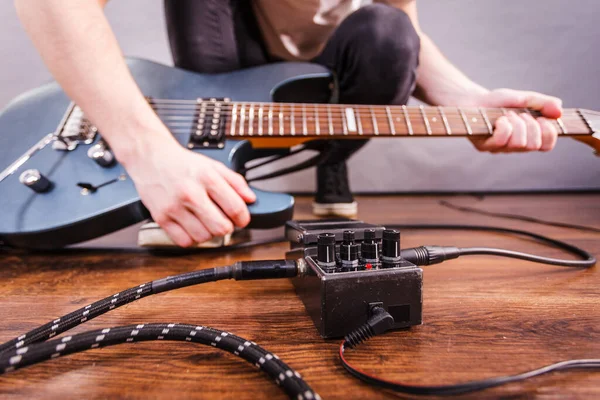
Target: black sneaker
[333, 192]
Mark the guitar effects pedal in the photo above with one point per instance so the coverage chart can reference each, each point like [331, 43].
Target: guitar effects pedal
[352, 266]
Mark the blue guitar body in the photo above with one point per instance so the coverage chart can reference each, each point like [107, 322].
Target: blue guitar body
[64, 215]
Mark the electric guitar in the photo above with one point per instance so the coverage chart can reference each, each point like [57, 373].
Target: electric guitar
[60, 183]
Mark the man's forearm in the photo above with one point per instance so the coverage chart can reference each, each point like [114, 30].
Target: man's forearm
[441, 83]
[80, 50]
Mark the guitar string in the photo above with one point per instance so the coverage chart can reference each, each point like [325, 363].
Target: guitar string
[418, 126]
[210, 102]
[309, 107]
[379, 116]
[380, 108]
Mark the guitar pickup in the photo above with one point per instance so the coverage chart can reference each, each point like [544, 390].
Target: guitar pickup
[211, 122]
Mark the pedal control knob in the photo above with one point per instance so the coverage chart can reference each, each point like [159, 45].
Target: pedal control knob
[369, 248]
[326, 252]
[349, 251]
[34, 180]
[101, 154]
[390, 248]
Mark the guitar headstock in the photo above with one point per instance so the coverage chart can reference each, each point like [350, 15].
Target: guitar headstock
[592, 119]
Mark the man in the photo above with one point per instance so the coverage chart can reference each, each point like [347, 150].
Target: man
[378, 52]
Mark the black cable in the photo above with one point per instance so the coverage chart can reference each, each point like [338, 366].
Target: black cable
[311, 162]
[427, 255]
[381, 321]
[517, 217]
[288, 153]
[239, 271]
[288, 379]
[26, 349]
[587, 262]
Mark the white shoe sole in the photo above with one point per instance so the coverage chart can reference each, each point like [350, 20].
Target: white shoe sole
[347, 210]
[151, 235]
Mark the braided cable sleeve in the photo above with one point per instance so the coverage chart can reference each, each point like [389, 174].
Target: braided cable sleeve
[289, 380]
[77, 317]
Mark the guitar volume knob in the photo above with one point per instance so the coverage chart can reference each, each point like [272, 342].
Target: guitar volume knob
[34, 180]
[101, 155]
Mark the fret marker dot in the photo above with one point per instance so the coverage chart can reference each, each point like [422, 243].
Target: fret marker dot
[474, 119]
[434, 119]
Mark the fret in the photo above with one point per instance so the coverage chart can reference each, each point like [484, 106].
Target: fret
[561, 125]
[487, 120]
[251, 120]
[358, 121]
[407, 119]
[242, 119]
[586, 122]
[344, 126]
[292, 121]
[317, 122]
[233, 119]
[425, 120]
[329, 120]
[445, 120]
[270, 117]
[375, 126]
[304, 129]
[280, 120]
[390, 121]
[504, 111]
[465, 121]
[260, 119]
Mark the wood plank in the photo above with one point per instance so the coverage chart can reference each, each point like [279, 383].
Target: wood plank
[483, 316]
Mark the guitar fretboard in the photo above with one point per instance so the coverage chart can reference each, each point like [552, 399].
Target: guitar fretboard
[286, 119]
[251, 119]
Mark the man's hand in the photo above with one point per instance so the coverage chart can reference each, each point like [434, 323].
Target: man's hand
[191, 196]
[519, 132]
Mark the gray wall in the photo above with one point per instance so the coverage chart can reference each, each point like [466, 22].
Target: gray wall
[544, 45]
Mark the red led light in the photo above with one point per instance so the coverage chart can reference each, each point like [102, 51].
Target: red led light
[368, 266]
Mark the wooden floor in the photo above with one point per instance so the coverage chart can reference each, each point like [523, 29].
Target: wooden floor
[483, 316]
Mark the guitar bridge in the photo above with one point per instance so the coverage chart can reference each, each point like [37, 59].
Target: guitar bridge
[73, 129]
[211, 121]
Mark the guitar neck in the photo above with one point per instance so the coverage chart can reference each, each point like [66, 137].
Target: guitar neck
[345, 121]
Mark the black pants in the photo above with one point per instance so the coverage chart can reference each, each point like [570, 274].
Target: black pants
[374, 51]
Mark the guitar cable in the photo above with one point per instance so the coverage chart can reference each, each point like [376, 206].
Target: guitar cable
[33, 347]
[381, 321]
[428, 255]
[517, 217]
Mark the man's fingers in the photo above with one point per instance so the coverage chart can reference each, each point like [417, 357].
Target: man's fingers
[550, 107]
[238, 183]
[230, 202]
[499, 139]
[518, 139]
[211, 216]
[549, 134]
[192, 225]
[176, 233]
[534, 132]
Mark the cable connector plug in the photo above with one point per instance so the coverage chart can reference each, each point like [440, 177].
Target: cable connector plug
[264, 269]
[428, 255]
[379, 322]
